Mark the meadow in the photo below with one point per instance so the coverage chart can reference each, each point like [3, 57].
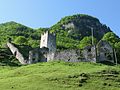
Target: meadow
[60, 76]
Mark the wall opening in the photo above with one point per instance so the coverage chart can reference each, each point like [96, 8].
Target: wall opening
[89, 50]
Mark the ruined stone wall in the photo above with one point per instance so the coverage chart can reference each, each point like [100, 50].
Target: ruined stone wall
[89, 53]
[50, 56]
[38, 55]
[47, 51]
[69, 56]
[34, 56]
[52, 42]
[16, 52]
[105, 52]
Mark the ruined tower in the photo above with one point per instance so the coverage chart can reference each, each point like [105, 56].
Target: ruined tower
[48, 40]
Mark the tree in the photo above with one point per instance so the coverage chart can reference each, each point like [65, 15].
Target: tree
[117, 48]
[111, 38]
[20, 40]
[86, 41]
[114, 41]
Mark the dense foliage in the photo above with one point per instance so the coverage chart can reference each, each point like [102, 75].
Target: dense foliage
[79, 26]
[75, 28]
[20, 40]
[114, 41]
[70, 31]
[111, 38]
[86, 41]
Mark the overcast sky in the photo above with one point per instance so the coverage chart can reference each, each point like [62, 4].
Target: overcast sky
[45, 13]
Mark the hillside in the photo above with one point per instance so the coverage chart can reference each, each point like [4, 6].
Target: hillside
[73, 32]
[72, 29]
[60, 76]
[13, 30]
[79, 26]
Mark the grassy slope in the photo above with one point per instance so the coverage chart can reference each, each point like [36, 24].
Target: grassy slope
[60, 76]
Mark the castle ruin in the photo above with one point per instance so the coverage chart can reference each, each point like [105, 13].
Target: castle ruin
[47, 51]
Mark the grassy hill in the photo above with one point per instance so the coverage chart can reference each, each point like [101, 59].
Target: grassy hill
[60, 76]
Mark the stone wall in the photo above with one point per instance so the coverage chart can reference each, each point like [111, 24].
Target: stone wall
[34, 56]
[50, 56]
[52, 42]
[16, 53]
[89, 53]
[38, 55]
[69, 56]
[105, 52]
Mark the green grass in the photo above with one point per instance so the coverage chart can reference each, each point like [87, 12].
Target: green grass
[60, 76]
